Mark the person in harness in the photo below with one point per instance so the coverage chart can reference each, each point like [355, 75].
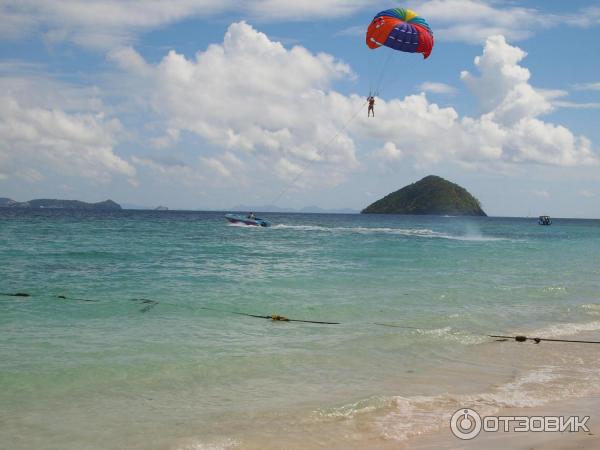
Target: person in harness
[371, 110]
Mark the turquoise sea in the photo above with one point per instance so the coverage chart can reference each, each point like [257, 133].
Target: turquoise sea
[127, 338]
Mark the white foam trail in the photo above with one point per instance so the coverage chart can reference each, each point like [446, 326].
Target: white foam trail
[409, 232]
[565, 329]
[242, 225]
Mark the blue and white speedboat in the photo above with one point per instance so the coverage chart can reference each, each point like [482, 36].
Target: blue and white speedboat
[247, 220]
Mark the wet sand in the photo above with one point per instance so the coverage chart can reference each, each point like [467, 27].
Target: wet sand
[582, 440]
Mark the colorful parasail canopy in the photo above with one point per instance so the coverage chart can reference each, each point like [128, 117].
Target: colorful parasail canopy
[400, 29]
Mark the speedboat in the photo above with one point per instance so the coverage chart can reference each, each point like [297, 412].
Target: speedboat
[247, 220]
[545, 220]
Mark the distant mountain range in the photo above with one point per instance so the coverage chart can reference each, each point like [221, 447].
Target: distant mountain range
[307, 209]
[5, 202]
[58, 204]
[111, 205]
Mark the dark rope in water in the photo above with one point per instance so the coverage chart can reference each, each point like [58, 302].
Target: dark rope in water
[148, 304]
[518, 338]
[145, 301]
[64, 297]
[274, 317]
[537, 340]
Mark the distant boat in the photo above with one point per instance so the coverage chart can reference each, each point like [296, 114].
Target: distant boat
[545, 220]
[250, 220]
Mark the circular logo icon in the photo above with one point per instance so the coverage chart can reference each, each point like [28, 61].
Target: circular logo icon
[465, 424]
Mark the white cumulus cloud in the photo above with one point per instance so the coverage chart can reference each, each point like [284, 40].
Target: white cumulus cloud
[107, 24]
[503, 85]
[37, 139]
[588, 86]
[473, 21]
[508, 131]
[253, 96]
[587, 193]
[437, 88]
[98, 23]
[303, 9]
[272, 110]
[389, 152]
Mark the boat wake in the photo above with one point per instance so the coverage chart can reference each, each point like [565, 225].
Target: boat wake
[243, 225]
[407, 232]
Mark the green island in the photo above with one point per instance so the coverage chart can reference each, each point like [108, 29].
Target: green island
[432, 195]
[58, 204]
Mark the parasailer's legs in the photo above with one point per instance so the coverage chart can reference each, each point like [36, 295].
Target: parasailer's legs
[371, 109]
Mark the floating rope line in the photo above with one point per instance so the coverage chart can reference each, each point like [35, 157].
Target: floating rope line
[273, 317]
[149, 304]
[537, 340]
[518, 338]
[64, 297]
[145, 301]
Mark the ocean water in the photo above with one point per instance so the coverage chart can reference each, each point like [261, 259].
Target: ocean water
[128, 338]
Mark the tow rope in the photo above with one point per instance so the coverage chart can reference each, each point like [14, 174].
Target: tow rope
[320, 151]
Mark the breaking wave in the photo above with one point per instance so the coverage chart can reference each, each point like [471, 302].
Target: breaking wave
[400, 418]
[566, 329]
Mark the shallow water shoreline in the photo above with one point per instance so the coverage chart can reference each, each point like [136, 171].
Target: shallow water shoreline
[589, 406]
[422, 422]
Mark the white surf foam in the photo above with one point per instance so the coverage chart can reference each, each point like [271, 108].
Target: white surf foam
[399, 418]
[592, 308]
[226, 444]
[452, 335]
[409, 232]
[243, 225]
[565, 329]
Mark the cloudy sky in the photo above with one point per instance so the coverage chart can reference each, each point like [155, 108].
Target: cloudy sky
[206, 104]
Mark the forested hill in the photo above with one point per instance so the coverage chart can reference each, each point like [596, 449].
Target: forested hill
[432, 195]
